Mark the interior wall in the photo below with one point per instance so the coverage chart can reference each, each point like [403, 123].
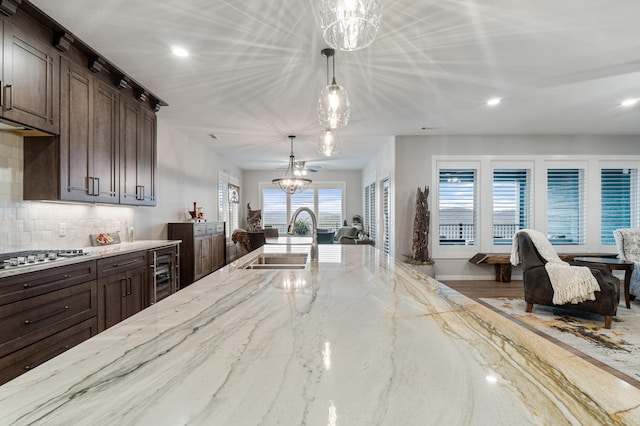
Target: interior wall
[187, 172]
[250, 190]
[414, 168]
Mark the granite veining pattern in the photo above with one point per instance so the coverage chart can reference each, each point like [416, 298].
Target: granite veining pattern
[357, 339]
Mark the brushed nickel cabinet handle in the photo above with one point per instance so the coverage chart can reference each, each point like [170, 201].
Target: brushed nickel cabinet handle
[9, 87]
[49, 315]
[130, 262]
[62, 278]
[61, 350]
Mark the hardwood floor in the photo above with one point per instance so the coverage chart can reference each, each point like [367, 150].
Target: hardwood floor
[479, 289]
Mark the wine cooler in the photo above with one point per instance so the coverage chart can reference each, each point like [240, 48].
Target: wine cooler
[165, 272]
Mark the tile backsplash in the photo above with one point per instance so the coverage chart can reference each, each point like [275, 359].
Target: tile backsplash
[28, 225]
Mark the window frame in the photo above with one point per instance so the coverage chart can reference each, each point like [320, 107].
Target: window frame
[315, 186]
[592, 165]
[513, 165]
[634, 203]
[225, 181]
[446, 163]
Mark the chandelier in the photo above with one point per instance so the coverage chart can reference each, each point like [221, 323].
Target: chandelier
[291, 182]
[328, 143]
[333, 105]
[350, 24]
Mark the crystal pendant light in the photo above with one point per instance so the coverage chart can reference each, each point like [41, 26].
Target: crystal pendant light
[328, 143]
[333, 105]
[290, 183]
[350, 24]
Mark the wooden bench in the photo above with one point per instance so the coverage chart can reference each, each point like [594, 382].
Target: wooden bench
[502, 262]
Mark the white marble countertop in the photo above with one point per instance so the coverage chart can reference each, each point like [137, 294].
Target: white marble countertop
[93, 253]
[356, 339]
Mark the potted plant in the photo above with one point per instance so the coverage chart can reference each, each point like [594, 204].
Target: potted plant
[302, 227]
[420, 246]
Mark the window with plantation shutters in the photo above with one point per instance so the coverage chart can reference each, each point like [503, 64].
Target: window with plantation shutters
[565, 206]
[228, 202]
[274, 209]
[619, 193]
[233, 200]
[458, 206]
[222, 194]
[370, 210]
[329, 207]
[511, 203]
[385, 215]
[304, 198]
[325, 200]
[577, 201]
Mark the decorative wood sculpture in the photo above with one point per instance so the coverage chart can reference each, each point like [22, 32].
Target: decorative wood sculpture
[421, 223]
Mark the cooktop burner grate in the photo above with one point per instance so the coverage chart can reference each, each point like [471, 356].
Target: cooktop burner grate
[31, 257]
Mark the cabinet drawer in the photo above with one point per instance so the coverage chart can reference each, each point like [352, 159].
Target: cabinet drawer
[199, 229]
[119, 264]
[32, 284]
[30, 320]
[28, 358]
[215, 228]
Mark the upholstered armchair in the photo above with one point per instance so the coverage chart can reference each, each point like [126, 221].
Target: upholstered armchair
[628, 244]
[539, 291]
[346, 235]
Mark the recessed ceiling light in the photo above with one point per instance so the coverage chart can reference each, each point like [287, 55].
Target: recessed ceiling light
[179, 51]
[629, 102]
[494, 101]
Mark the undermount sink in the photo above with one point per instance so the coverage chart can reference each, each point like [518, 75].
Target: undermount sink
[278, 261]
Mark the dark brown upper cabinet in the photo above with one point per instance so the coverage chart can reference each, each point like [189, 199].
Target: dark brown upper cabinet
[100, 140]
[30, 70]
[137, 154]
[89, 162]
[82, 163]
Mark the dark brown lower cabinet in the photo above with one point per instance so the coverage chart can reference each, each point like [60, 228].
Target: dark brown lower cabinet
[203, 248]
[44, 313]
[29, 357]
[123, 287]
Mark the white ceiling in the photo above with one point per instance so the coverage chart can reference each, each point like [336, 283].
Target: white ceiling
[255, 69]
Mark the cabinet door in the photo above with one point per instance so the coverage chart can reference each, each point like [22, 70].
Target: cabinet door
[218, 251]
[112, 294]
[76, 128]
[147, 158]
[137, 154]
[202, 254]
[136, 291]
[105, 144]
[30, 85]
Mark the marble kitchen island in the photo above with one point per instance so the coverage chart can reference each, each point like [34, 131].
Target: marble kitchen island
[356, 339]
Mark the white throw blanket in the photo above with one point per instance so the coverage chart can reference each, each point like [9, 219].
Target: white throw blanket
[571, 284]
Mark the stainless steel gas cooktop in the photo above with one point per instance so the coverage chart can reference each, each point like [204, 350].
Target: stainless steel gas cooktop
[32, 257]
